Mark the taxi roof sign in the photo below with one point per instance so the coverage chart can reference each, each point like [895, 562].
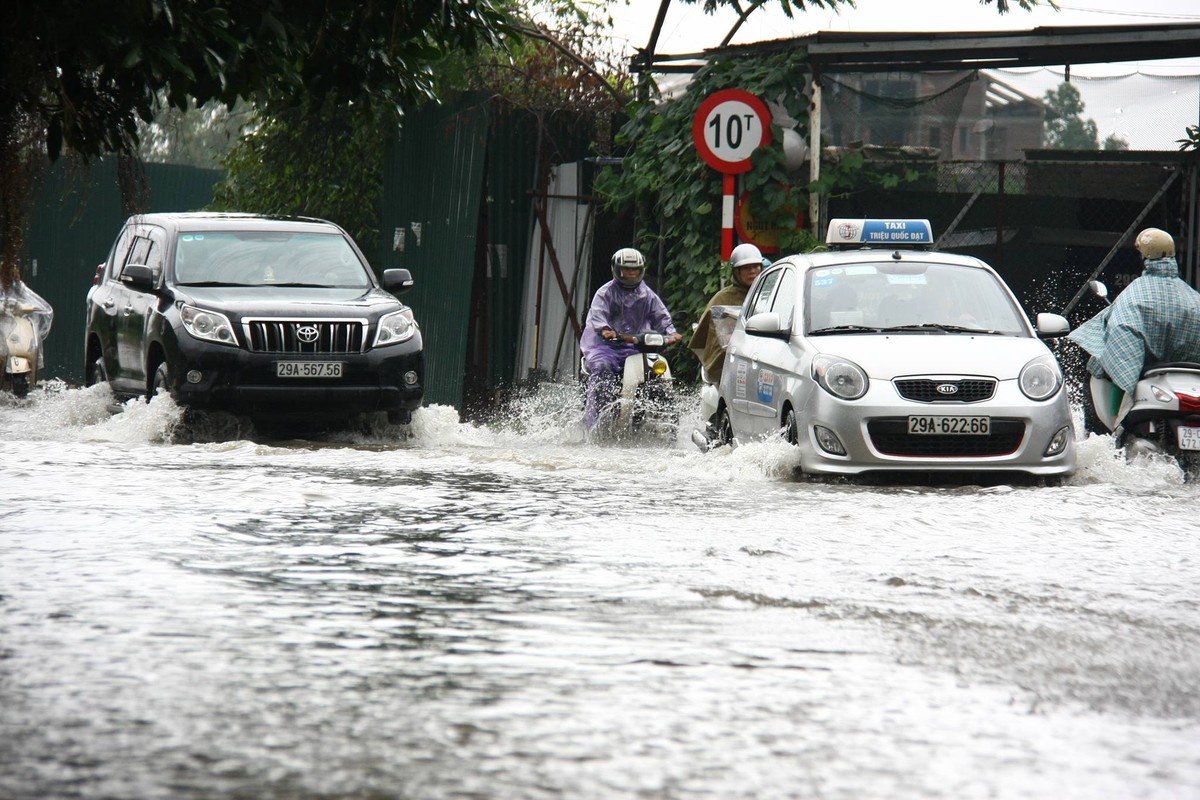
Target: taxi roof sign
[880, 232]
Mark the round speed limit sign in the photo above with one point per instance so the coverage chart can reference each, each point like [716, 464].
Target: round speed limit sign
[729, 126]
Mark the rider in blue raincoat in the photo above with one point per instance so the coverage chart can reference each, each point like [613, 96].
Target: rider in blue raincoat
[624, 305]
[1156, 319]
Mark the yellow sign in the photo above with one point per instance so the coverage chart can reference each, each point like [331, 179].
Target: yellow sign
[757, 233]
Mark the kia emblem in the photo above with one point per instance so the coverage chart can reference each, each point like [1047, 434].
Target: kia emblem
[308, 334]
[947, 388]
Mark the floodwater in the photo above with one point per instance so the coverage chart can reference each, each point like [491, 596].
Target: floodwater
[503, 611]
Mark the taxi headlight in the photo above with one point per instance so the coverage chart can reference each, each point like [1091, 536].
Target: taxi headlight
[1040, 378]
[840, 377]
[396, 327]
[208, 326]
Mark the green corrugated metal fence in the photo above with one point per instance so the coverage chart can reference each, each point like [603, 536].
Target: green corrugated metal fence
[75, 220]
[464, 176]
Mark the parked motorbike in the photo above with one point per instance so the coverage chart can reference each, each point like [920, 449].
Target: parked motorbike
[1162, 416]
[25, 320]
[644, 404]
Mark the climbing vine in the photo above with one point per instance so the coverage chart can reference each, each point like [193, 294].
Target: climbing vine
[678, 196]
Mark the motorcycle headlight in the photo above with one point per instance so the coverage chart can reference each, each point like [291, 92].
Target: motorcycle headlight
[839, 377]
[208, 326]
[1040, 378]
[396, 327]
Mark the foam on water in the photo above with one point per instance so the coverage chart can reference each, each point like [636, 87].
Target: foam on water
[541, 429]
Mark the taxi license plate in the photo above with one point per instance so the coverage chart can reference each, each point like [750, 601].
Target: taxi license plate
[941, 426]
[308, 369]
[1189, 438]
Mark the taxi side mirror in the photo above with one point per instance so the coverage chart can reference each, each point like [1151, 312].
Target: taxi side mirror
[767, 324]
[1051, 326]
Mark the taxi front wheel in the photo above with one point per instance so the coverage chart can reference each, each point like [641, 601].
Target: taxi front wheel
[724, 428]
[790, 429]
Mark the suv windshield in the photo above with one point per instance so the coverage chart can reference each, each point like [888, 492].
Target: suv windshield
[268, 258]
[909, 297]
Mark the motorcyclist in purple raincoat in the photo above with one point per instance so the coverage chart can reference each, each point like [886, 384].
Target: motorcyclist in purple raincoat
[624, 305]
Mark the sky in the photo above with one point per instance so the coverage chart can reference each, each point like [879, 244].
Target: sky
[688, 29]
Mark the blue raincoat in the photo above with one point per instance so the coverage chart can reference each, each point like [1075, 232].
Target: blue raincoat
[635, 310]
[1156, 319]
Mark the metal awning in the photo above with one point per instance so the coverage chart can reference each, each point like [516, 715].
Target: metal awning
[1038, 47]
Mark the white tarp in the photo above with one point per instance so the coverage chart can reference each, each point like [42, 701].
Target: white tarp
[548, 343]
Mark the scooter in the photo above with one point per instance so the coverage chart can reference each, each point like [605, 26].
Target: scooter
[25, 320]
[1162, 416]
[723, 320]
[645, 400]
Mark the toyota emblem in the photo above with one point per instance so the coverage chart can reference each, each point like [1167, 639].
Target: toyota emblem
[308, 334]
[947, 388]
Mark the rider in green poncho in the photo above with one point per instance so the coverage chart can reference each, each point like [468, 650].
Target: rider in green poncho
[1156, 319]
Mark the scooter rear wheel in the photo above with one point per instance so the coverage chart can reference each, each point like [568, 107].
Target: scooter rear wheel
[20, 385]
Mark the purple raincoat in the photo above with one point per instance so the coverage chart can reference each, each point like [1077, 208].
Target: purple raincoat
[635, 310]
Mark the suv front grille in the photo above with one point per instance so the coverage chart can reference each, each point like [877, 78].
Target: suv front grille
[925, 390]
[316, 336]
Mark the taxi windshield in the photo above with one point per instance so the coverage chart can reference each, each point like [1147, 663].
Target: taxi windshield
[268, 258]
[909, 297]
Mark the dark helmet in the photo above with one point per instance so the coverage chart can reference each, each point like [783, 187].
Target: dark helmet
[1154, 243]
[628, 258]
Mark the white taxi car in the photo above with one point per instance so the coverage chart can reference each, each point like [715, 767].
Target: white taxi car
[882, 355]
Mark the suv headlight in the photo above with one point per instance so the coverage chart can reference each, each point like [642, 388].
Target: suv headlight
[396, 327]
[208, 326]
[839, 377]
[1040, 378]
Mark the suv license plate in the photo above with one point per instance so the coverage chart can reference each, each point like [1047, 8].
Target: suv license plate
[308, 369]
[1189, 438]
[941, 426]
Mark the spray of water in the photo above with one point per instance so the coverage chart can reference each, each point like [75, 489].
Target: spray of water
[541, 428]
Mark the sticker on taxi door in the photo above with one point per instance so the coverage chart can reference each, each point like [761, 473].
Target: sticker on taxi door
[766, 386]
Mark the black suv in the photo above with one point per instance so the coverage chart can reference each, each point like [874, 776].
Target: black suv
[262, 316]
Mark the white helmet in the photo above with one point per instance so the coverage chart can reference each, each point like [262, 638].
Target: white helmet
[628, 258]
[744, 255]
[1154, 243]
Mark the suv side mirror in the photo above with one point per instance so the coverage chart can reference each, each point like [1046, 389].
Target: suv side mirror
[397, 281]
[139, 277]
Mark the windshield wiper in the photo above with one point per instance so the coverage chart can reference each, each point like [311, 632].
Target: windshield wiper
[843, 329]
[936, 326]
[215, 283]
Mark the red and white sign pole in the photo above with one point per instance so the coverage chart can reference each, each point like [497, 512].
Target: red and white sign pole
[729, 126]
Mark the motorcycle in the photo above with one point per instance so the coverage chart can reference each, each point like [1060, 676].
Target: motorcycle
[723, 320]
[25, 320]
[644, 402]
[1161, 417]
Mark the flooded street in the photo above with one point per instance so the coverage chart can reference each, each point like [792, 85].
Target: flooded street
[504, 611]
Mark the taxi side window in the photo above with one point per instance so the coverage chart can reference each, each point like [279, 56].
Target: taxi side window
[785, 298]
[761, 300]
